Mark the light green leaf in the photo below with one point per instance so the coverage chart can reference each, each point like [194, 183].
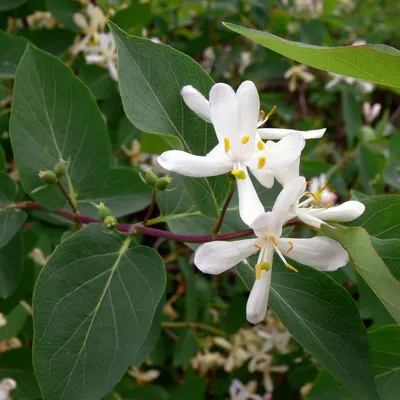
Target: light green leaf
[324, 319]
[16, 320]
[94, 304]
[385, 351]
[55, 116]
[375, 63]
[151, 77]
[12, 48]
[369, 265]
[389, 251]
[10, 4]
[381, 216]
[124, 194]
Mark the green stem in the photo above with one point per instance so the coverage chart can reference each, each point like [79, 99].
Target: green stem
[195, 325]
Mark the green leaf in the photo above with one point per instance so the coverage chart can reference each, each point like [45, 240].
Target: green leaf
[185, 348]
[151, 77]
[324, 319]
[124, 194]
[10, 4]
[193, 387]
[16, 320]
[389, 251]
[11, 265]
[17, 364]
[149, 392]
[63, 11]
[133, 17]
[374, 62]
[385, 351]
[94, 304]
[369, 265]
[380, 217]
[351, 111]
[12, 48]
[55, 116]
[391, 174]
[3, 162]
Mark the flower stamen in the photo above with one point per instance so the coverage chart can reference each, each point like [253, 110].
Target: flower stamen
[245, 139]
[238, 174]
[291, 246]
[257, 246]
[260, 145]
[227, 144]
[266, 266]
[287, 265]
[261, 162]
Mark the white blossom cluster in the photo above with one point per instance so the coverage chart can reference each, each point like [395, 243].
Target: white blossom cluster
[241, 148]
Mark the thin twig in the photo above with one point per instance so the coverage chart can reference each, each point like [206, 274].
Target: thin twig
[68, 197]
[195, 325]
[218, 224]
[151, 206]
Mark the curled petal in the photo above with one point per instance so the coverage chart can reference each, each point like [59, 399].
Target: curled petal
[257, 303]
[345, 212]
[196, 102]
[319, 252]
[195, 166]
[264, 176]
[217, 257]
[277, 133]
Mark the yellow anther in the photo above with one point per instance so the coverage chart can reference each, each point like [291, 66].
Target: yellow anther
[227, 144]
[262, 115]
[239, 174]
[260, 267]
[261, 162]
[317, 196]
[258, 271]
[274, 240]
[313, 195]
[245, 139]
[94, 41]
[287, 265]
[291, 246]
[257, 246]
[323, 187]
[271, 112]
[260, 145]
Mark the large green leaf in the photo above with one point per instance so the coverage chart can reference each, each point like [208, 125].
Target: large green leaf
[94, 304]
[369, 265]
[381, 216]
[10, 4]
[375, 63]
[55, 116]
[151, 77]
[385, 351]
[371, 165]
[389, 251]
[12, 49]
[324, 319]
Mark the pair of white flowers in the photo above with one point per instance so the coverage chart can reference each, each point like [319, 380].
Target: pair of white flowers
[235, 116]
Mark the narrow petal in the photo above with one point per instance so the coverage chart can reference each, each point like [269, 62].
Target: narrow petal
[250, 206]
[318, 252]
[249, 107]
[194, 166]
[196, 102]
[112, 69]
[225, 113]
[309, 219]
[283, 153]
[217, 257]
[345, 212]
[257, 303]
[285, 175]
[94, 58]
[80, 20]
[264, 176]
[288, 197]
[277, 133]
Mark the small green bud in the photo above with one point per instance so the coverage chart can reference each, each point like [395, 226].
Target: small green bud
[150, 177]
[110, 221]
[162, 183]
[48, 176]
[60, 168]
[104, 211]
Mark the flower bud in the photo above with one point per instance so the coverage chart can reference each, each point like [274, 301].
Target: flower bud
[104, 212]
[60, 168]
[150, 177]
[48, 176]
[162, 183]
[110, 221]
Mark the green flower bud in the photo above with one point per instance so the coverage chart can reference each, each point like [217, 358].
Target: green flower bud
[110, 221]
[162, 183]
[60, 168]
[48, 176]
[104, 211]
[150, 177]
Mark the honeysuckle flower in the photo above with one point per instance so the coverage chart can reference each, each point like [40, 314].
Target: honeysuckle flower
[320, 185]
[321, 253]
[235, 120]
[103, 53]
[314, 213]
[207, 361]
[298, 72]
[144, 376]
[371, 112]
[6, 386]
[238, 391]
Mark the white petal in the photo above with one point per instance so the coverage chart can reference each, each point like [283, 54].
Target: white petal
[217, 257]
[225, 113]
[94, 58]
[264, 176]
[286, 175]
[277, 133]
[309, 219]
[283, 153]
[318, 252]
[250, 206]
[267, 222]
[196, 102]
[195, 166]
[217, 151]
[257, 303]
[112, 69]
[345, 212]
[80, 20]
[288, 197]
[249, 107]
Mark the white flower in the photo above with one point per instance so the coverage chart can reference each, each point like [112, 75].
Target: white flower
[235, 116]
[312, 212]
[370, 113]
[298, 72]
[321, 253]
[320, 185]
[6, 386]
[103, 53]
[237, 391]
[207, 361]
[144, 376]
